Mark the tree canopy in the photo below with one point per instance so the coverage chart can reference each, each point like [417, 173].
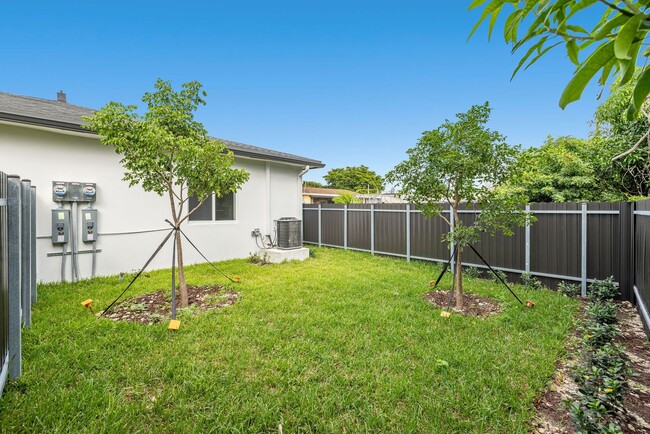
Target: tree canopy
[569, 169]
[609, 46]
[356, 178]
[459, 163]
[169, 153]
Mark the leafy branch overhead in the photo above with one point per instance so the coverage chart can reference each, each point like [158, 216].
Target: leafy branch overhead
[612, 46]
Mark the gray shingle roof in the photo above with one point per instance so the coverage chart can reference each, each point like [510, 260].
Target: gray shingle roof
[66, 116]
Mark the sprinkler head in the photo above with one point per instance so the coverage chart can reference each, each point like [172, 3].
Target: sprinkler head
[530, 303]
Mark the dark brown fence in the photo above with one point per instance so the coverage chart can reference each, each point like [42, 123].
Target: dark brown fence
[569, 242]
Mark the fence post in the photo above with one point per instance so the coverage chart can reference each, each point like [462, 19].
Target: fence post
[626, 258]
[408, 232]
[319, 225]
[32, 240]
[583, 250]
[345, 226]
[25, 251]
[372, 229]
[13, 260]
[527, 244]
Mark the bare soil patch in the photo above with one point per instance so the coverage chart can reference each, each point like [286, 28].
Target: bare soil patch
[552, 416]
[156, 307]
[473, 305]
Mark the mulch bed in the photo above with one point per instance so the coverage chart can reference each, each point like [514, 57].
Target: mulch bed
[156, 307]
[552, 415]
[473, 305]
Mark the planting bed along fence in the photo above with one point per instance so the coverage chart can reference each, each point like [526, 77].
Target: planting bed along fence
[17, 269]
[574, 242]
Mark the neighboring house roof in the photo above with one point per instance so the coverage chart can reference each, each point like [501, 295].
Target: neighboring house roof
[325, 192]
[65, 116]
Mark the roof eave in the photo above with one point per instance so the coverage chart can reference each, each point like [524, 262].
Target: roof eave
[69, 126]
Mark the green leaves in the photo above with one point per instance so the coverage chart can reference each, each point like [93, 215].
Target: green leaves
[613, 42]
[626, 36]
[586, 72]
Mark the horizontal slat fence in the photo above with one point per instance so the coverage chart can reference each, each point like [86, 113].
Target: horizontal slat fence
[569, 241]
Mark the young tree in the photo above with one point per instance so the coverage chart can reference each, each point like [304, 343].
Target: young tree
[458, 163]
[615, 43]
[346, 198]
[355, 178]
[169, 153]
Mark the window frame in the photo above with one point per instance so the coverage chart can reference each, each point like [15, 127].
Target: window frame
[213, 221]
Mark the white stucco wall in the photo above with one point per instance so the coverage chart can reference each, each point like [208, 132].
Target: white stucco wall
[131, 221]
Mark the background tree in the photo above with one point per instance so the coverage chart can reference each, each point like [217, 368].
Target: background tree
[611, 45]
[346, 198]
[459, 162]
[564, 169]
[356, 178]
[314, 184]
[568, 169]
[169, 153]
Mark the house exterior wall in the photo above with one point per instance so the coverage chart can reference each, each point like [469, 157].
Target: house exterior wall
[131, 221]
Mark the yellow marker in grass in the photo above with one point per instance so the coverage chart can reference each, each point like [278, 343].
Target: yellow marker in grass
[445, 314]
[89, 304]
[174, 325]
[236, 279]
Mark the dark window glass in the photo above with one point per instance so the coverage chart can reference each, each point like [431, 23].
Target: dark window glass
[204, 213]
[225, 207]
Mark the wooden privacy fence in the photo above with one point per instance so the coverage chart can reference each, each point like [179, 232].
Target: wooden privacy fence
[17, 269]
[575, 242]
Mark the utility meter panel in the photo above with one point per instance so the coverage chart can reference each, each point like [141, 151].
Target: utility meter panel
[60, 226]
[89, 225]
[68, 191]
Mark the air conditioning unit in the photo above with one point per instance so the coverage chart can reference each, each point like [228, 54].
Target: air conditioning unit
[289, 233]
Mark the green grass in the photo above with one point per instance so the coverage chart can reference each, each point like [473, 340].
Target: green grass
[342, 341]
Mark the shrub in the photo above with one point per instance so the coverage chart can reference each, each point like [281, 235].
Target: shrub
[501, 274]
[256, 258]
[569, 289]
[603, 289]
[603, 311]
[598, 334]
[531, 282]
[472, 272]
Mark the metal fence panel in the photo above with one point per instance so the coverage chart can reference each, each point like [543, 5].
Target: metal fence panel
[427, 237]
[332, 225]
[358, 229]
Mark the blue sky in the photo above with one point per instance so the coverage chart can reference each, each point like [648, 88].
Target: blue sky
[347, 83]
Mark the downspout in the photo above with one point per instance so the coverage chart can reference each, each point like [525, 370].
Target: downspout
[300, 175]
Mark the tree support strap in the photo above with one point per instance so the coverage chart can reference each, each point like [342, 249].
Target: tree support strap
[139, 272]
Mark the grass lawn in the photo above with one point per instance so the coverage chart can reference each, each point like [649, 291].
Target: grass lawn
[341, 342]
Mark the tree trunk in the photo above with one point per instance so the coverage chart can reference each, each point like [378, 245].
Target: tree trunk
[181, 273]
[459, 279]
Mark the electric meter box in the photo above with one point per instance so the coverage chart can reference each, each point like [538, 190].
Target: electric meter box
[89, 225]
[60, 226]
[67, 191]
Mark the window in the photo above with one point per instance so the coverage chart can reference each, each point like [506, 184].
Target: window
[213, 208]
